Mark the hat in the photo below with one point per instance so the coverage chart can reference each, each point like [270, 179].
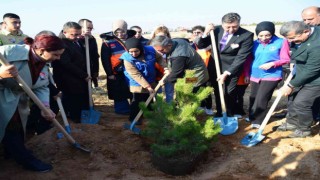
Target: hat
[133, 43]
[119, 24]
[265, 26]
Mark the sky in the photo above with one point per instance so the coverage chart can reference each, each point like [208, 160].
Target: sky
[38, 15]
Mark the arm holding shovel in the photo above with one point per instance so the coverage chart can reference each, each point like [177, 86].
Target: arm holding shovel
[45, 55]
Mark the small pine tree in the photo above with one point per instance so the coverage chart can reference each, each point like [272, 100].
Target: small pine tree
[173, 128]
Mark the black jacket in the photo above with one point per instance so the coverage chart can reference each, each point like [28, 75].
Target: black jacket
[235, 53]
[70, 71]
[94, 55]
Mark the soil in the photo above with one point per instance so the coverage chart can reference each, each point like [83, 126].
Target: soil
[117, 153]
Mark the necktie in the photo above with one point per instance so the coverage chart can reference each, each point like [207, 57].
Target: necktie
[77, 44]
[223, 41]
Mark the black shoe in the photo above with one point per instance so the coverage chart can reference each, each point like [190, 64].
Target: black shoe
[14, 145]
[299, 134]
[280, 115]
[35, 164]
[286, 127]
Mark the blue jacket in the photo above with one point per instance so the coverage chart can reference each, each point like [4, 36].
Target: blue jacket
[146, 68]
[264, 54]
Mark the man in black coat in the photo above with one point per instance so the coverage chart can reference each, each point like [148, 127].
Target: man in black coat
[234, 45]
[93, 49]
[70, 72]
[304, 88]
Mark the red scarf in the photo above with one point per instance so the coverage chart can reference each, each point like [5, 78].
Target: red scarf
[35, 65]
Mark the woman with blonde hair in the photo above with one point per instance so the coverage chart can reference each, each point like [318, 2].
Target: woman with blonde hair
[169, 87]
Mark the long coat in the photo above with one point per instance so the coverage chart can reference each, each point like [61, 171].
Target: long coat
[12, 95]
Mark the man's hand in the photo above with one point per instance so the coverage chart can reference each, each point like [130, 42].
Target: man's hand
[286, 90]
[88, 78]
[209, 27]
[8, 71]
[166, 71]
[58, 95]
[150, 90]
[48, 115]
[222, 77]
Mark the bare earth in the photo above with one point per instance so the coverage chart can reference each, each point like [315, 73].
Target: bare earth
[119, 154]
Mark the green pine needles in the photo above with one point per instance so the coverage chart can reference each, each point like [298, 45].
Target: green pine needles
[173, 128]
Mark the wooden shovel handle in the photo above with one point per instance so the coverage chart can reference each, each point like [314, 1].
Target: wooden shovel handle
[216, 61]
[275, 103]
[36, 100]
[150, 98]
[86, 42]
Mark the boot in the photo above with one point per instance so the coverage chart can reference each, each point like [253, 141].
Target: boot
[14, 146]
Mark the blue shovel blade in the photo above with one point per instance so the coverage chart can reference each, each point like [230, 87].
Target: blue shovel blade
[90, 116]
[229, 125]
[252, 139]
[132, 127]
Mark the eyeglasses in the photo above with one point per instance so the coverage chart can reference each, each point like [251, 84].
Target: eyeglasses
[90, 28]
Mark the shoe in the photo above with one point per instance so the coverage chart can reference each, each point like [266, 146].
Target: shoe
[299, 134]
[286, 127]
[255, 126]
[35, 164]
[247, 119]
[280, 115]
[209, 111]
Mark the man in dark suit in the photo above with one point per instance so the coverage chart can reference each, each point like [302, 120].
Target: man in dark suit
[70, 72]
[234, 45]
[304, 88]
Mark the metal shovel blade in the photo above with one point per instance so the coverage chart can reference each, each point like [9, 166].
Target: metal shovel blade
[90, 116]
[229, 125]
[252, 139]
[82, 148]
[132, 127]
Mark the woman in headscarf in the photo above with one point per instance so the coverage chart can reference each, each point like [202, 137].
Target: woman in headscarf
[139, 62]
[31, 61]
[269, 54]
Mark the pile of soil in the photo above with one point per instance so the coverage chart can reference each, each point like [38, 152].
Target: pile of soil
[117, 153]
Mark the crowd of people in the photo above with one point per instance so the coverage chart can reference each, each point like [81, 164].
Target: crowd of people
[134, 65]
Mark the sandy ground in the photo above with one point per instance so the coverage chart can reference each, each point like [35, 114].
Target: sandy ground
[117, 153]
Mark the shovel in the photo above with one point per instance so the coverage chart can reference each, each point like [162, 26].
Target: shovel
[36, 100]
[136, 119]
[252, 138]
[229, 125]
[90, 116]
[62, 112]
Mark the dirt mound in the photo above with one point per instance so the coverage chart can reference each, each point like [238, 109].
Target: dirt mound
[117, 153]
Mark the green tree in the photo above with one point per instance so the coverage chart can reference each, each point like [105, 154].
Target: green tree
[173, 128]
